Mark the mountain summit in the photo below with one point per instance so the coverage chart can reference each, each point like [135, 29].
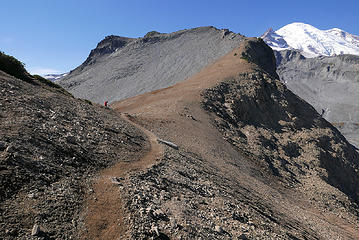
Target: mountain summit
[312, 42]
[121, 67]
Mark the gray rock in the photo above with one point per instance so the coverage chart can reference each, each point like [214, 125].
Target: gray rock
[71, 139]
[120, 67]
[242, 236]
[10, 149]
[168, 143]
[154, 230]
[218, 229]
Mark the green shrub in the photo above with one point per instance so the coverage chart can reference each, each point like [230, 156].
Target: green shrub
[13, 67]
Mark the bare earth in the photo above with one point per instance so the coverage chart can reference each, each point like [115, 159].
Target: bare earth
[161, 207]
[106, 215]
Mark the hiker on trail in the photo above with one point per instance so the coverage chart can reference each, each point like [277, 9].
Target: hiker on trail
[106, 102]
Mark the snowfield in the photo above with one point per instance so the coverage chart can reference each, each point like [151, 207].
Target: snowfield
[312, 42]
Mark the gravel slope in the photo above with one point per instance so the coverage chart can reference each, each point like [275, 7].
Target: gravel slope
[51, 146]
[121, 67]
[329, 84]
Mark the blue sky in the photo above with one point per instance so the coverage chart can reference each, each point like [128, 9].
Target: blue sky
[57, 36]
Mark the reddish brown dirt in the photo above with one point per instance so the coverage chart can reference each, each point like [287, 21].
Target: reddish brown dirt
[105, 217]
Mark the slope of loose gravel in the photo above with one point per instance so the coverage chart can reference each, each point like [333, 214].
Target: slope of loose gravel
[116, 71]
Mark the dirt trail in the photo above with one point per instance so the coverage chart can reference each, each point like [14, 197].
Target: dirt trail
[105, 217]
[175, 113]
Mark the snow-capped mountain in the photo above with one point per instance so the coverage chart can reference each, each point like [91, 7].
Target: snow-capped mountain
[54, 77]
[312, 42]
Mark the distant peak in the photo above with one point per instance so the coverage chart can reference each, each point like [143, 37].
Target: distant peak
[269, 31]
[311, 41]
[336, 29]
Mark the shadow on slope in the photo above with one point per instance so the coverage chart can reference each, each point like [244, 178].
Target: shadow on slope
[329, 84]
[260, 116]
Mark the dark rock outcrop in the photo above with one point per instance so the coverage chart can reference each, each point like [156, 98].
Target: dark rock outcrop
[107, 46]
[261, 117]
[259, 53]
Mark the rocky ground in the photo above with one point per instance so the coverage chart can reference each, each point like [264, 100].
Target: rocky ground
[51, 145]
[256, 113]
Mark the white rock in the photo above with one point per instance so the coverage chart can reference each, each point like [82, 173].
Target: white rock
[35, 230]
[218, 229]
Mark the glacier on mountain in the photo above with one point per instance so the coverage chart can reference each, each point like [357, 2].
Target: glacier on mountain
[312, 42]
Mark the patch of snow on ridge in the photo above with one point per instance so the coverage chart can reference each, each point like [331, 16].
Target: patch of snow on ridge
[54, 77]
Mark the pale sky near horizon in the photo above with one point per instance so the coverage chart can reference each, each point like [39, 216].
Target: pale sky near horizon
[57, 36]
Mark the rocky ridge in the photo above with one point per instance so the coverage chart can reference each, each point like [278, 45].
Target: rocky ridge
[121, 67]
[254, 161]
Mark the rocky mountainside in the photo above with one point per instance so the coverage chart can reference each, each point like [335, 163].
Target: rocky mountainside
[329, 84]
[308, 63]
[229, 153]
[252, 160]
[121, 67]
[311, 41]
[51, 145]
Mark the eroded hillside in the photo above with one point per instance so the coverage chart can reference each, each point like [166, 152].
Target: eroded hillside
[51, 146]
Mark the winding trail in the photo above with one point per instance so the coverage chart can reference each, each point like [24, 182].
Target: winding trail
[175, 114]
[105, 217]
